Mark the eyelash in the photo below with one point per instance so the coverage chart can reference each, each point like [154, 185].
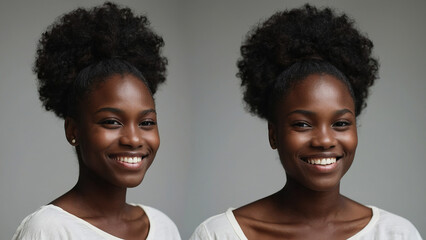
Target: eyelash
[345, 124]
[110, 123]
[113, 124]
[148, 123]
[339, 125]
[301, 125]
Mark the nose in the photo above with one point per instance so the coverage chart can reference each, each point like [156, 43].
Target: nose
[131, 137]
[323, 138]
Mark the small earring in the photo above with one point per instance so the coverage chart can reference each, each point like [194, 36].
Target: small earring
[73, 141]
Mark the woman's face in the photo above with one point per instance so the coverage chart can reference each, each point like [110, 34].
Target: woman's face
[116, 133]
[315, 133]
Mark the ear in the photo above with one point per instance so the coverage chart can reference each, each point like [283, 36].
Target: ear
[71, 131]
[272, 133]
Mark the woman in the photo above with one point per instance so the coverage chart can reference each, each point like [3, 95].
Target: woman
[98, 70]
[307, 73]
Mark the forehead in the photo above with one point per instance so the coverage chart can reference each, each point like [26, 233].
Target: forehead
[123, 91]
[318, 91]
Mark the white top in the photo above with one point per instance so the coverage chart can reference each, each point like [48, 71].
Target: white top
[52, 222]
[382, 226]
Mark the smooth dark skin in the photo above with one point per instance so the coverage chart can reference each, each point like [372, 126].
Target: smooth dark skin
[116, 118]
[315, 119]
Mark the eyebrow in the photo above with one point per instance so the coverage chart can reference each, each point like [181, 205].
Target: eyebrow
[310, 113]
[119, 111]
[343, 111]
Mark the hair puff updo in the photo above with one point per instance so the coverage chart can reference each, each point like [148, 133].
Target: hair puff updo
[317, 41]
[107, 39]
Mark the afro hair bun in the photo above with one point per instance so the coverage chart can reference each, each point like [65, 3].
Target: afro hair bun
[298, 34]
[84, 37]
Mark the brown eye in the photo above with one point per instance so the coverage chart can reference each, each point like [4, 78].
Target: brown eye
[110, 123]
[341, 124]
[147, 123]
[301, 125]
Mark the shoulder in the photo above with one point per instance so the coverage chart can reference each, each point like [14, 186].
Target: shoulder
[386, 225]
[222, 226]
[46, 222]
[157, 217]
[161, 226]
[396, 225]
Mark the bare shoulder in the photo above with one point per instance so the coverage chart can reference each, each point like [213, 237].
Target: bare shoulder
[72, 204]
[135, 213]
[356, 211]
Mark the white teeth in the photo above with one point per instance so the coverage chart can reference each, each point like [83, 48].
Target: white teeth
[321, 161]
[129, 159]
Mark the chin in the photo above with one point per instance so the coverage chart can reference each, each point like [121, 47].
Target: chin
[133, 185]
[130, 182]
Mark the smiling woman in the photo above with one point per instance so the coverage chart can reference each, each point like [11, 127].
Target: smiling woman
[117, 132]
[307, 72]
[314, 132]
[98, 70]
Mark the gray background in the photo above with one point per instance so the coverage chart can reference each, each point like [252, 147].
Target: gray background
[213, 154]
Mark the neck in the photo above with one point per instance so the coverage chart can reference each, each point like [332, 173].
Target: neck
[99, 197]
[309, 204]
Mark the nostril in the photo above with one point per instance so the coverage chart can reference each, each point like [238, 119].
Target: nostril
[323, 143]
[132, 141]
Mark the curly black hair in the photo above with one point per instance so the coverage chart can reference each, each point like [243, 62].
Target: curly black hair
[91, 39]
[315, 38]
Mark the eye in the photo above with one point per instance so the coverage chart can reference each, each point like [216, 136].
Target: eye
[148, 123]
[342, 124]
[301, 125]
[110, 123]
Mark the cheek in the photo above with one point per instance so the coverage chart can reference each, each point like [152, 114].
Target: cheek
[350, 141]
[100, 139]
[294, 142]
[290, 146]
[153, 139]
[103, 137]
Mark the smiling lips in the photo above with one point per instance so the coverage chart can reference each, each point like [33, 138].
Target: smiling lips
[321, 161]
[129, 159]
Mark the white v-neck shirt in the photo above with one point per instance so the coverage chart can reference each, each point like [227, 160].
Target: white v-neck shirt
[382, 226]
[52, 222]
